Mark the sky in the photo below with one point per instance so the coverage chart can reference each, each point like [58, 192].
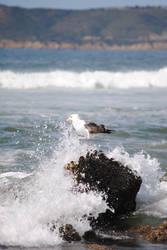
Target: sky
[81, 4]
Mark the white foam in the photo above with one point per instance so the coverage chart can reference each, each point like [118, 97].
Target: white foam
[87, 79]
[17, 175]
[152, 196]
[47, 197]
[157, 145]
[8, 178]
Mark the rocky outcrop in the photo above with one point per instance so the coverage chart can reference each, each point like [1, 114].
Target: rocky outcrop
[68, 233]
[153, 234]
[118, 183]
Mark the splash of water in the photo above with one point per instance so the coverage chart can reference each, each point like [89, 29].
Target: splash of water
[47, 197]
[35, 201]
[151, 199]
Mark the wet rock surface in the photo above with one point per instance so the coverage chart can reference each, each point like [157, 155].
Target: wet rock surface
[90, 236]
[69, 234]
[153, 234]
[118, 183]
[98, 247]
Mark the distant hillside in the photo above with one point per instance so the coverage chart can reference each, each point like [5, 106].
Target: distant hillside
[96, 28]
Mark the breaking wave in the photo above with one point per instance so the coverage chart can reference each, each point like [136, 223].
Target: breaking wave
[86, 79]
[30, 203]
[152, 196]
[37, 199]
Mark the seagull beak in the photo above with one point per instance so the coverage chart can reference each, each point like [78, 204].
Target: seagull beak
[68, 120]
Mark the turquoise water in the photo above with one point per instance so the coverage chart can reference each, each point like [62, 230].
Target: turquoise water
[39, 89]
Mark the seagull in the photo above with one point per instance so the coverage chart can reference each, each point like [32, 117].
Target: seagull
[85, 129]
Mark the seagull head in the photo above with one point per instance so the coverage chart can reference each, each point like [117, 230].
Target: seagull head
[73, 117]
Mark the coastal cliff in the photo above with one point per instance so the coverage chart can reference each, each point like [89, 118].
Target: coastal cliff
[112, 28]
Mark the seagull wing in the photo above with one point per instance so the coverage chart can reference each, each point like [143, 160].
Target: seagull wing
[94, 128]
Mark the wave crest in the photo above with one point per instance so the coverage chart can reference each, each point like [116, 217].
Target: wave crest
[86, 79]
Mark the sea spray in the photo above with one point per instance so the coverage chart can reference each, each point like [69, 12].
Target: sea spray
[151, 199]
[46, 197]
[35, 201]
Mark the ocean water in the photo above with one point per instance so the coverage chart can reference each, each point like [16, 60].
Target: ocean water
[39, 89]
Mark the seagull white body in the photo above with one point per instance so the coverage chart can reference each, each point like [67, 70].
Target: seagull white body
[84, 129]
[79, 125]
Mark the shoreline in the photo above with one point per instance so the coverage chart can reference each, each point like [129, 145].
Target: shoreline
[11, 44]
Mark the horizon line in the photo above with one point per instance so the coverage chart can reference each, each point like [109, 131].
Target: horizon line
[92, 8]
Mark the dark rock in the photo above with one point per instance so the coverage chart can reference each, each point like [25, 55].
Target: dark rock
[68, 233]
[90, 236]
[118, 183]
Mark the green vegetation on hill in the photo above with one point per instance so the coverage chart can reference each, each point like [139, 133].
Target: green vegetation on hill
[113, 26]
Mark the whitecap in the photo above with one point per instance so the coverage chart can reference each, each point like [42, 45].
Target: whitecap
[86, 79]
